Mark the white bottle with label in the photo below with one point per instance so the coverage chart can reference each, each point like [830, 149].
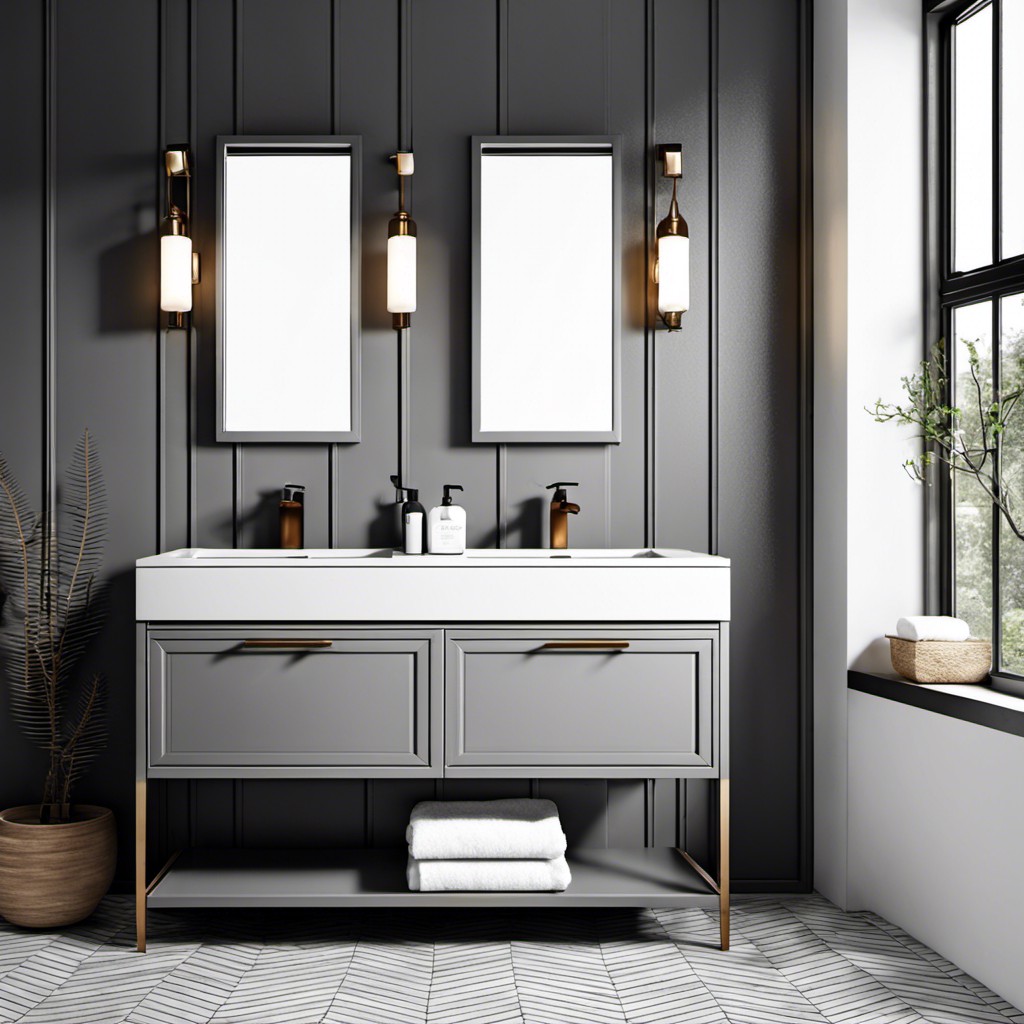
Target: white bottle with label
[446, 526]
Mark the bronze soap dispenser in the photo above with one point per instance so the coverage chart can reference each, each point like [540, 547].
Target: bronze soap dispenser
[291, 510]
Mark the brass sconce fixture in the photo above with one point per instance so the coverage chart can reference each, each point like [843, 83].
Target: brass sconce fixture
[179, 265]
[402, 252]
[672, 261]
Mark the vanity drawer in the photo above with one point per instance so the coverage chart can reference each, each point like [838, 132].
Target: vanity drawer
[581, 698]
[369, 700]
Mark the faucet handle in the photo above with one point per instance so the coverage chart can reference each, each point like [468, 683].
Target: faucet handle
[559, 488]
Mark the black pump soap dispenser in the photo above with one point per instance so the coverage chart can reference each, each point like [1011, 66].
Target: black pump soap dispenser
[414, 526]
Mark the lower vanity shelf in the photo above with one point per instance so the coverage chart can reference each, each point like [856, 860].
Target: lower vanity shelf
[652, 877]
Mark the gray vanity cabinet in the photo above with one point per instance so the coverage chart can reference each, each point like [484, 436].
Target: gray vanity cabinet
[358, 702]
[603, 703]
[399, 699]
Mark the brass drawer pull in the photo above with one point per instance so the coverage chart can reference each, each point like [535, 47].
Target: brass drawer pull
[585, 645]
[301, 644]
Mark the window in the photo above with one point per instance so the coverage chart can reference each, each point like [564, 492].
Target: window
[977, 260]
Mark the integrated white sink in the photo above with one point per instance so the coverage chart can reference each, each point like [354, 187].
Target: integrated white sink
[483, 585]
[197, 555]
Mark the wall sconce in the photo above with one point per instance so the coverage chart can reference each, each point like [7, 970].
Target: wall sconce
[401, 252]
[179, 265]
[672, 263]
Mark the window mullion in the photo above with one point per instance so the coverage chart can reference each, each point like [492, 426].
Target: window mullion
[997, 112]
[997, 597]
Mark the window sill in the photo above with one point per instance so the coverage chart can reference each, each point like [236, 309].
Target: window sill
[979, 704]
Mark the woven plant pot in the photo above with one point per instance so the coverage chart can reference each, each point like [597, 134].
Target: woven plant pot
[941, 661]
[55, 875]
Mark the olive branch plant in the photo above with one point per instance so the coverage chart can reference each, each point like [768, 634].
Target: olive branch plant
[53, 607]
[964, 441]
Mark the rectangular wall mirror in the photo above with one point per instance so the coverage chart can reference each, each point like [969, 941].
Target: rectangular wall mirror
[288, 244]
[546, 289]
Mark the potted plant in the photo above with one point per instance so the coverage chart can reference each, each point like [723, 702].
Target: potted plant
[56, 857]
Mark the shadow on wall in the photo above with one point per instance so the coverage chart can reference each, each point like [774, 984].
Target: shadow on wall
[129, 278]
[383, 531]
[874, 657]
[527, 527]
[264, 520]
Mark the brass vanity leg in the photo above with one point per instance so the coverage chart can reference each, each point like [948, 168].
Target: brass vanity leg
[140, 865]
[723, 861]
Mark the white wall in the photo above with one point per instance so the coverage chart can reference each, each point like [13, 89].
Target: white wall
[937, 834]
[830, 484]
[918, 817]
[868, 312]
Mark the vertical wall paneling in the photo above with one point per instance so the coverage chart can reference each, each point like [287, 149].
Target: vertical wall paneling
[214, 114]
[626, 98]
[24, 290]
[557, 85]
[105, 294]
[713, 289]
[366, 82]
[759, 431]
[682, 61]
[650, 302]
[50, 281]
[714, 417]
[193, 339]
[404, 337]
[174, 346]
[283, 87]
[454, 99]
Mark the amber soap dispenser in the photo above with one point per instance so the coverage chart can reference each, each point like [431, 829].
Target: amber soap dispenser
[291, 511]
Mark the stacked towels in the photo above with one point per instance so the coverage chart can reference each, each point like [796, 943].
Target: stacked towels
[932, 627]
[486, 845]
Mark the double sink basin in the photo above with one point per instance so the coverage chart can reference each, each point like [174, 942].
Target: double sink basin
[383, 585]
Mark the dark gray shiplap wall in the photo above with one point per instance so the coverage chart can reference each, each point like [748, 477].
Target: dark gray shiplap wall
[712, 417]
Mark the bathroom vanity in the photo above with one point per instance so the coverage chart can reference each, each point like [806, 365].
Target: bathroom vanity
[322, 664]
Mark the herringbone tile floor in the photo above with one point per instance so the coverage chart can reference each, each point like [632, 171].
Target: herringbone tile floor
[794, 959]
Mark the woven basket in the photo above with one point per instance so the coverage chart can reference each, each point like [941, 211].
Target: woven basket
[941, 661]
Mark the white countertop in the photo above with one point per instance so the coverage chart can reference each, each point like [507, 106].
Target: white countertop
[381, 585]
[390, 558]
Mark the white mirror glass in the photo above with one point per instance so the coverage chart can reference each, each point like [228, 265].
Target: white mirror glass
[286, 303]
[547, 264]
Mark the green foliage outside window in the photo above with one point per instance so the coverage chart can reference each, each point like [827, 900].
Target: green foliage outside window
[973, 432]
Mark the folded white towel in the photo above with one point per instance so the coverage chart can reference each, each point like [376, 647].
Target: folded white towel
[932, 627]
[488, 875]
[486, 830]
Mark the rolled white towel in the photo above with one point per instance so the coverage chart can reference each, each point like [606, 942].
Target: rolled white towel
[932, 627]
[520, 828]
[488, 875]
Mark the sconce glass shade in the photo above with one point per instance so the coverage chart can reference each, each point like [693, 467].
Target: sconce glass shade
[176, 273]
[673, 274]
[402, 274]
[673, 264]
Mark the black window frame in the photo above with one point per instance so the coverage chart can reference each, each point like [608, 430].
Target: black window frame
[948, 288]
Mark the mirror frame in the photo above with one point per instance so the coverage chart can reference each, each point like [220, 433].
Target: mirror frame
[550, 144]
[298, 144]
